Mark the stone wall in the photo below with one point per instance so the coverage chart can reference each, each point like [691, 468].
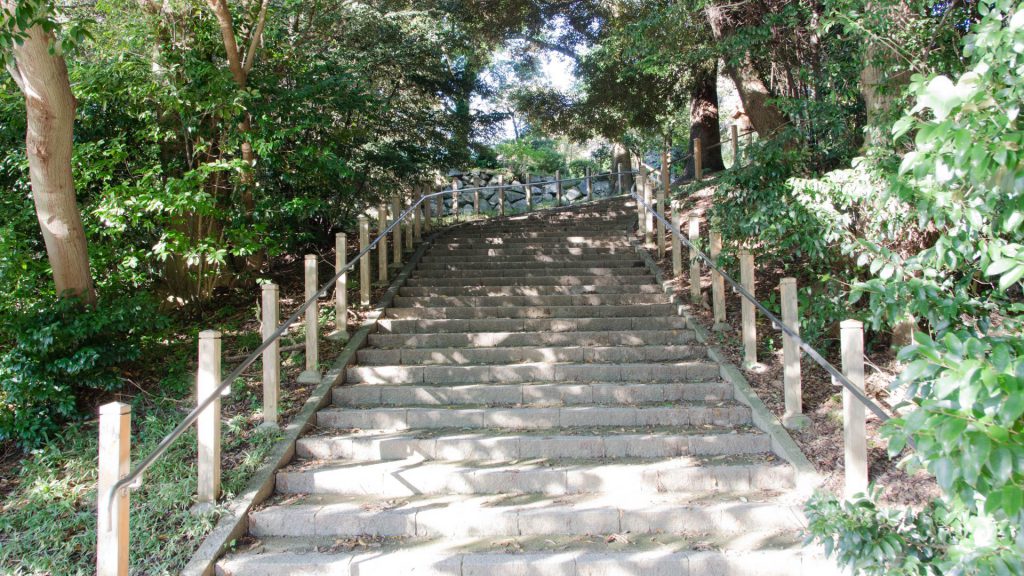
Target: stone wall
[543, 189]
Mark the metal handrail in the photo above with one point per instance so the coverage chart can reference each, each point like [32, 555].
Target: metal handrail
[133, 479]
[789, 331]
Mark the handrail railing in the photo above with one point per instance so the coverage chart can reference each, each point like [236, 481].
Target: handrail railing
[134, 477]
[836, 374]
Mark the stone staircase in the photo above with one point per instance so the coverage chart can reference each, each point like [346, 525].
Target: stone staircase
[533, 405]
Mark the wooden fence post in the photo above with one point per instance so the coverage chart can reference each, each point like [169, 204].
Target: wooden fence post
[407, 234]
[417, 215]
[311, 375]
[455, 198]
[558, 187]
[476, 195]
[794, 417]
[694, 261]
[666, 183]
[747, 309]
[717, 283]
[734, 133]
[382, 246]
[642, 215]
[698, 159]
[271, 356]
[427, 216]
[208, 423]
[112, 510]
[677, 246]
[364, 262]
[340, 289]
[396, 232]
[529, 192]
[856, 450]
[589, 184]
[501, 194]
[648, 192]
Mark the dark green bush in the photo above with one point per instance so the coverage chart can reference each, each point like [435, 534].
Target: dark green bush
[56, 353]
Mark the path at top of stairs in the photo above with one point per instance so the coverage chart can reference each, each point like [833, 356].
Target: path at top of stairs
[533, 405]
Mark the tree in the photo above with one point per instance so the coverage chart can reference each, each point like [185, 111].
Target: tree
[34, 59]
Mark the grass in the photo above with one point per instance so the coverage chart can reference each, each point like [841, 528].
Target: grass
[48, 521]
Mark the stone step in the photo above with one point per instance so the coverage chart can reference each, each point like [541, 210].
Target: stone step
[430, 260]
[541, 232]
[668, 557]
[533, 372]
[548, 270]
[455, 444]
[566, 280]
[622, 245]
[470, 251]
[497, 263]
[532, 394]
[416, 417]
[550, 477]
[493, 339]
[482, 516]
[528, 290]
[522, 354]
[552, 300]
[530, 325]
[497, 312]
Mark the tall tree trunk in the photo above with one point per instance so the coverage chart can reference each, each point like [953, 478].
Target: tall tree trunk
[704, 120]
[42, 77]
[764, 116]
[621, 157]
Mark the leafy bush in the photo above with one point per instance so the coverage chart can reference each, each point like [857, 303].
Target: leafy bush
[57, 352]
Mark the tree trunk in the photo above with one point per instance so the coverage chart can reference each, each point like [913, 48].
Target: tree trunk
[50, 110]
[764, 116]
[621, 157]
[704, 120]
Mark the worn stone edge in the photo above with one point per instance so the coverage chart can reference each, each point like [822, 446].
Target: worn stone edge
[235, 522]
[807, 477]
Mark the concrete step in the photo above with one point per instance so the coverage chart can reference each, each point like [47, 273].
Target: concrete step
[440, 251]
[521, 354]
[541, 232]
[448, 444]
[534, 372]
[532, 394]
[416, 417]
[492, 339]
[551, 477]
[552, 300]
[605, 244]
[528, 290]
[497, 312]
[497, 263]
[548, 270]
[530, 325]
[431, 260]
[566, 280]
[580, 556]
[483, 516]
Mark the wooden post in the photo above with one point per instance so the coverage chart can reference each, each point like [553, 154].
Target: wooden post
[501, 194]
[396, 232]
[666, 183]
[588, 179]
[382, 246]
[427, 216]
[747, 310]
[735, 135]
[642, 214]
[112, 510]
[618, 176]
[794, 417]
[856, 452]
[476, 195]
[455, 198]
[340, 289]
[717, 283]
[648, 192]
[694, 260]
[271, 356]
[558, 187]
[698, 159]
[208, 423]
[407, 232]
[417, 215]
[364, 262]
[529, 192]
[311, 375]
[677, 248]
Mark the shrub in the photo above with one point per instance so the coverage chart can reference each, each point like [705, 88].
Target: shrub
[60, 350]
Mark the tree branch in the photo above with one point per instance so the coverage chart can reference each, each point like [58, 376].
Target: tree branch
[550, 46]
[257, 39]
